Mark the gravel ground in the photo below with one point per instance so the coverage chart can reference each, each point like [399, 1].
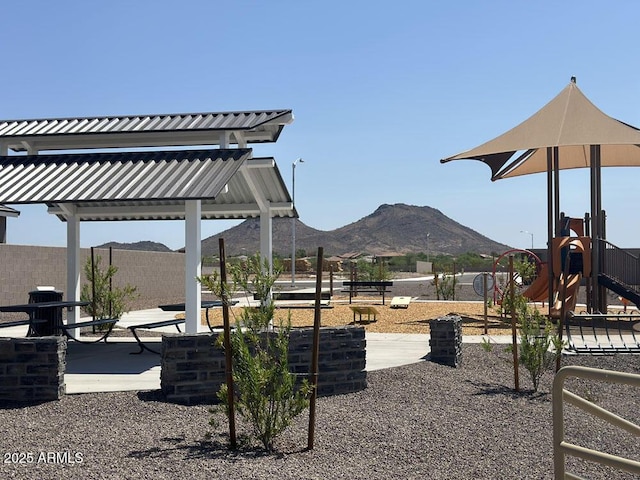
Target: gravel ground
[425, 421]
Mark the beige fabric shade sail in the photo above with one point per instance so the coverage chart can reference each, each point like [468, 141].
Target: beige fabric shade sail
[570, 122]
[568, 132]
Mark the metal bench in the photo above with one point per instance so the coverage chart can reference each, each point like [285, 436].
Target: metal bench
[206, 304]
[148, 326]
[90, 323]
[374, 287]
[29, 322]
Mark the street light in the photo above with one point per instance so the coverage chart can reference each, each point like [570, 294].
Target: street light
[528, 233]
[428, 235]
[293, 223]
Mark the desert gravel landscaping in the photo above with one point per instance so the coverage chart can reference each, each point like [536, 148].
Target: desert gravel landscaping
[420, 421]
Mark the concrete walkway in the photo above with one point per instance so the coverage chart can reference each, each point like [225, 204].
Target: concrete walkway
[111, 366]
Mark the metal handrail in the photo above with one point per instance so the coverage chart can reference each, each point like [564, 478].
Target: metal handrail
[560, 395]
[620, 265]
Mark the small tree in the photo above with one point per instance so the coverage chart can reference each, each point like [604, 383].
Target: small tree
[375, 272]
[445, 285]
[540, 346]
[266, 392]
[536, 339]
[106, 300]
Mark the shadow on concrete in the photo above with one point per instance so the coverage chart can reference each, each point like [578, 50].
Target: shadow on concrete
[113, 357]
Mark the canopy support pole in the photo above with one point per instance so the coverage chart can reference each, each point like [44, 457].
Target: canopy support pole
[193, 264]
[73, 268]
[266, 241]
[550, 224]
[598, 297]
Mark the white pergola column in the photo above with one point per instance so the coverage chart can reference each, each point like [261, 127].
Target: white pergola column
[193, 267]
[266, 240]
[73, 268]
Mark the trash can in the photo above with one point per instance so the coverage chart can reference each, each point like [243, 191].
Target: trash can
[53, 315]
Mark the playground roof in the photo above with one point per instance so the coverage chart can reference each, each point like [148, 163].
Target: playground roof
[570, 122]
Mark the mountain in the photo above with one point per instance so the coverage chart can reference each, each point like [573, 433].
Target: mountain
[395, 228]
[145, 245]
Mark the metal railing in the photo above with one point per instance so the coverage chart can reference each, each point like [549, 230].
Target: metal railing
[561, 448]
[620, 265]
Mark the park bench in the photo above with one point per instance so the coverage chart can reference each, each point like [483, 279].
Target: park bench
[149, 326]
[206, 304]
[19, 323]
[110, 322]
[375, 287]
[174, 307]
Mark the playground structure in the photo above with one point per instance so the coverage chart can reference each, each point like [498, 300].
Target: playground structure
[588, 331]
[570, 132]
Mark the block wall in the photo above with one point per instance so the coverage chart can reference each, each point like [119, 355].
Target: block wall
[159, 276]
[193, 367]
[32, 369]
[446, 340]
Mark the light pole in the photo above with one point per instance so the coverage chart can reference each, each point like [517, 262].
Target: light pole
[428, 235]
[528, 233]
[293, 223]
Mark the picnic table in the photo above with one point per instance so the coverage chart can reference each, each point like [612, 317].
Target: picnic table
[206, 304]
[376, 287]
[43, 323]
[175, 322]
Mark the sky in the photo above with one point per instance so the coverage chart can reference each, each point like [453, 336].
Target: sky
[380, 91]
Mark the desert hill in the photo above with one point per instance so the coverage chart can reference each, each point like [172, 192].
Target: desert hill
[395, 228]
[398, 228]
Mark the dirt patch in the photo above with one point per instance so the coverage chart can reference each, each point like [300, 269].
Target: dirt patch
[414, 319]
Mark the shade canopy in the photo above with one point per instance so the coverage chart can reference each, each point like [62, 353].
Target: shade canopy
[147, 185]
[570, 122]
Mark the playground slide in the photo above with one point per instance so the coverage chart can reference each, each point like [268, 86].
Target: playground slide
[538, 291]
[571, 295]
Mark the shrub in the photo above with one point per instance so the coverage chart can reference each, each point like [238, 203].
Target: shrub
[265, 391]
[536, 339]
[106, 300]
[445, 285]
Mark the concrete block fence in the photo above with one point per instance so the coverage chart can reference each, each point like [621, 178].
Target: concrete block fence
[193, 367]
[158, 276]
[32, 369]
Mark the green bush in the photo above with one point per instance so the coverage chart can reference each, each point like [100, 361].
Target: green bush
[445, 285]
[109, 301]
[536, 339]
[265, 391]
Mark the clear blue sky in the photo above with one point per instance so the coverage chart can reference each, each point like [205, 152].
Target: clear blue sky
[381, 91]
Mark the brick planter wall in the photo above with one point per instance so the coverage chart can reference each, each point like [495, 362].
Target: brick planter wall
[32, 369]
[341, 358]
[193, 368]
[446, 340]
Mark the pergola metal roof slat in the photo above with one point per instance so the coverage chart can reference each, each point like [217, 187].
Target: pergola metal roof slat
[184, 185]
[123, 176]
[141, 130]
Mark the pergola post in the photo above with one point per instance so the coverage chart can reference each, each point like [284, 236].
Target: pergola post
[73, 267]
[193, 266]
[266, 242]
